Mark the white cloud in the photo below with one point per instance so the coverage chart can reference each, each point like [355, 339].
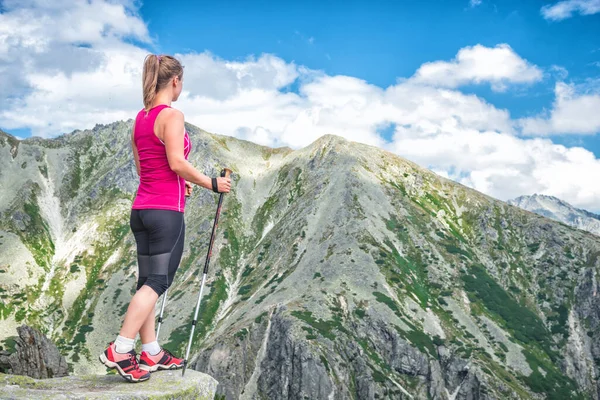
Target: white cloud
[61, 102]
[56, 86]
[52, 52]
[505, 166]
[499, 66]
[572, 112]
[566, 9]
[474, 3]
[209, 76]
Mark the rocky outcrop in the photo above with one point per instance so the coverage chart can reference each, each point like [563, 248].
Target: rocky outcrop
[292, 368]
[162, 385]
[34, 356]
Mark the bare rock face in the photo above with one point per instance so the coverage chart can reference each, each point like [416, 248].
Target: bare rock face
[35, 356]
[296, 370]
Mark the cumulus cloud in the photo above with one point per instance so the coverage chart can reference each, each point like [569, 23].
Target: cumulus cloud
[572, 112]
[60, 60]
[505, 166]
[566, 9]
[498, 66]
[60, 35]
[209, 76]
[455, 134]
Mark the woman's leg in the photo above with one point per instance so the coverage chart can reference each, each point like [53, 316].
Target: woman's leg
[166, 235]
[148, 328]
[137, 312]
[140, 309]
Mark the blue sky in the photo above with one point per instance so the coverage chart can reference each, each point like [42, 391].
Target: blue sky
[502, 96]
[382, 41]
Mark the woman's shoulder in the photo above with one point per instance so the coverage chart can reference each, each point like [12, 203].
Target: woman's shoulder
[172, 113]
[172, 118]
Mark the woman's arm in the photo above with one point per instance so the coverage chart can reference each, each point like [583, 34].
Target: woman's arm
[136, 157]
[173, 137]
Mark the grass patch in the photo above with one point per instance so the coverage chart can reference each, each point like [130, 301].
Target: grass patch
[9, 344]
[382, 298]
[419, 339]
[359, 312]
[241, 334]
[259, 319]
[560, 320]
[245, 290]
[247, 271]
[452, 249]
[325, 328]
[297, 190]
[525, 325]
[554, 384]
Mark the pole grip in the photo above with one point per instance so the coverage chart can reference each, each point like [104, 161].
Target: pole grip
[226, 172]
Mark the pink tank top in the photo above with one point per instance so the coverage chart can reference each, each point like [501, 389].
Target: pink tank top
[160, 187]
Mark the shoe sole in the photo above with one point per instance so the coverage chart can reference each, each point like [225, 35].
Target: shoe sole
[156, 367]
[126, 376]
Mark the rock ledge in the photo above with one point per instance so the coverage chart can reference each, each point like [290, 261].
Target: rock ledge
[162, 385]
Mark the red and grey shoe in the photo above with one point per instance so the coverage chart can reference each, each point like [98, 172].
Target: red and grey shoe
[163, 360]
[125, 363]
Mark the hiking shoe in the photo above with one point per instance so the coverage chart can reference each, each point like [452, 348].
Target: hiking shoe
[163, 360]
[125, 363]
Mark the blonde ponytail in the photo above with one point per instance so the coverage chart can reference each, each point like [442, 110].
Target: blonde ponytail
[149, 79]
[158, 71]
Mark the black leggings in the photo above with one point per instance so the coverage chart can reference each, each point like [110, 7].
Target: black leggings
[159, 235]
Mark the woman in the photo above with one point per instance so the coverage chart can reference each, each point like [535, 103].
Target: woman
[161, 146]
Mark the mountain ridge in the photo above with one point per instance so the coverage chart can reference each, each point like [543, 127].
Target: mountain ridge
[559, 210]
[340, 268]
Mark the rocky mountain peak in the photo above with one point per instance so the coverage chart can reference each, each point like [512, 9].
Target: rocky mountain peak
[339, 271]
[559, 210]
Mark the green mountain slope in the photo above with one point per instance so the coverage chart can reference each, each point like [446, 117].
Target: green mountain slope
[340, 271]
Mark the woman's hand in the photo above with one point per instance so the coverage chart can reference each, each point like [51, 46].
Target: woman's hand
[223, 184]
[188, 189]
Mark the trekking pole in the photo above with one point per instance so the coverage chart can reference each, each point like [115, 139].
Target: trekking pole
[224, 173]
[162, 308]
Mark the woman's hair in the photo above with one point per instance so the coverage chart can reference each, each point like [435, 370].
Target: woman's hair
[158, 71]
